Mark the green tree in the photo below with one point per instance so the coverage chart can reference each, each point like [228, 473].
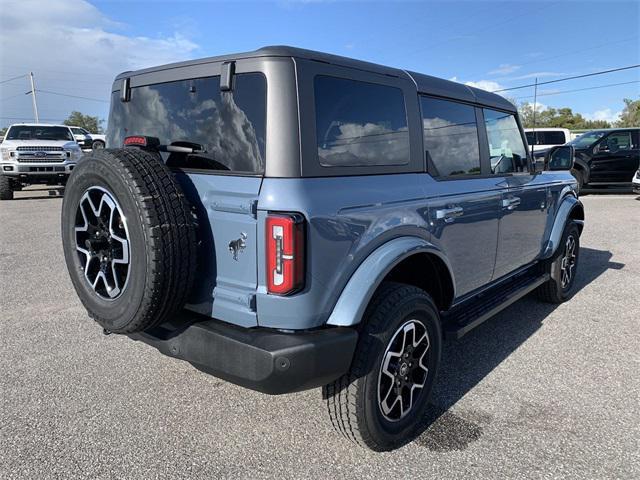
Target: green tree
[630, 116]
[3, 131]
[558, 117]
[77, 119]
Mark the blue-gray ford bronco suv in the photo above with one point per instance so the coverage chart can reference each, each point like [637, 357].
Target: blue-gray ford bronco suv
[287, 219]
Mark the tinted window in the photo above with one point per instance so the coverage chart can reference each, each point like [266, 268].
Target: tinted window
[360, 124]
[616, 142]
[506, 148]
[450, 137]
[552, 138]
[530, 138]
[546, 138]
[34, 132]
[230, 126]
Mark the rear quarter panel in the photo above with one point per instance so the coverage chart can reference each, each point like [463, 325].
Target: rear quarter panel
[347, 218]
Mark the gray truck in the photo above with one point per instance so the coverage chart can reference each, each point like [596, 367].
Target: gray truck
[287, 219]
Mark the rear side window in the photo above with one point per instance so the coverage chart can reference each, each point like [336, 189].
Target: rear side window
[553, 138]
[546, 138]
[230, 126]
[360, 123]
[450, 138]
[506, 148]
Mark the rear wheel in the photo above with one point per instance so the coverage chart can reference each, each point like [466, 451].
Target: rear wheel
[97, 145]
[128, 238]
[563, 267]
[380, 402]
[6, 188]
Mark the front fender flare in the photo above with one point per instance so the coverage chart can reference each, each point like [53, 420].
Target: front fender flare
[567, 205]
[356, 295]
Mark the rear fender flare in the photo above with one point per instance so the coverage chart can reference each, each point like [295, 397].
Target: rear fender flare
[355, 296]
[567, 205]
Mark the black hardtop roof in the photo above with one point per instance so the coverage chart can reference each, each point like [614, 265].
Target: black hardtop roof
[425, 83]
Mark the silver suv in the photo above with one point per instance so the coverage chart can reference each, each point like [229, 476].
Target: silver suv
[36, 153]
[287, 219]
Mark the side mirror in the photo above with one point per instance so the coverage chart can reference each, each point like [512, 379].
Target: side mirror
[559, 157]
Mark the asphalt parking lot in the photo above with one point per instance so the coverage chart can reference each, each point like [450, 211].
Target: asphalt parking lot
[539, 391]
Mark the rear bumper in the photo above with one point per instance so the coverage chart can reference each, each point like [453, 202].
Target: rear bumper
[261, 359]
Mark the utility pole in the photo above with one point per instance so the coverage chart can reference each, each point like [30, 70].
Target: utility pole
[33, 97]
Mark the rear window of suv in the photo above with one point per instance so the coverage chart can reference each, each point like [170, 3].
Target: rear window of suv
[360, 123]
[230, 126]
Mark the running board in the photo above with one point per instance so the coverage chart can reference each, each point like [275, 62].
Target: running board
[465, 317]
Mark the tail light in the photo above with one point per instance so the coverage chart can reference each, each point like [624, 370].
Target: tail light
[285, 253]
[141, 141]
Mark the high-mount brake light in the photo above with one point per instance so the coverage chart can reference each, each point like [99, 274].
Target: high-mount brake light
[136, 140]
[142, 141]
[285, 253]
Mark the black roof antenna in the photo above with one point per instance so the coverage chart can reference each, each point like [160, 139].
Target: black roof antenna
[535, 106]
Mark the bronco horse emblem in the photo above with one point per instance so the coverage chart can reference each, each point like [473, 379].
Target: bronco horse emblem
[238, 245]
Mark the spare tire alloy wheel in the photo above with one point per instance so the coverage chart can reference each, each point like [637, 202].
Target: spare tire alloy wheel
[102, 242]
[402, 372]
[129, 239]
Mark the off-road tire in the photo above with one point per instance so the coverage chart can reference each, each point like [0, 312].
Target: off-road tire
[352, 400]
[552, 290]
[162, 238]
[6, 188]
[579, 176]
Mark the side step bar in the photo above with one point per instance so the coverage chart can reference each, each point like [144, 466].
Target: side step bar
[472, 313]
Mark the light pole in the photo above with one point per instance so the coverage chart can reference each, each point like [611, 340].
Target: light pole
[33, 98]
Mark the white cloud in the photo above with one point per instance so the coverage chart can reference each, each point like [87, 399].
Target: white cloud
[504, 69]
[488, 85]
[72, 47]
[536, 75]
[604, 114]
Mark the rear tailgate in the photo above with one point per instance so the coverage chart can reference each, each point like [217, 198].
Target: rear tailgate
[226, 280]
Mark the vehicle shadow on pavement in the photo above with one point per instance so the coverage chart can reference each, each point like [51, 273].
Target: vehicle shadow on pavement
[467, 361]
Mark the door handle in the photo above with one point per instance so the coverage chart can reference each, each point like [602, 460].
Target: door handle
[510, 203]
[449, 214]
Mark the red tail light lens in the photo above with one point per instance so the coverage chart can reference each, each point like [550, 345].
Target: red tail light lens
[136, 140]
[285, 253]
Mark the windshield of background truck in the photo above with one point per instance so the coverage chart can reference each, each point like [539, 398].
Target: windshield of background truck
[31, 132]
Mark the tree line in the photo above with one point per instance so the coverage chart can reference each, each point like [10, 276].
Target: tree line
[566, 118]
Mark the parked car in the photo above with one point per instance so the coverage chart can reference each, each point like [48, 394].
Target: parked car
[545, 138]
[636, 182]
[380, 211]
[36, 153]
[607, 157]
[87, 140]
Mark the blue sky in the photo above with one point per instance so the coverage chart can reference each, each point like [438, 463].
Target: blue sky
[491, 44]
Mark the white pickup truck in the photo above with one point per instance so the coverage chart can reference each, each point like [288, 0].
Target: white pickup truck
[36, 153]
[545, 138]
[87, 140]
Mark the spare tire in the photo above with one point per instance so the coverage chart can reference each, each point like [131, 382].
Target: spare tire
[129, 239]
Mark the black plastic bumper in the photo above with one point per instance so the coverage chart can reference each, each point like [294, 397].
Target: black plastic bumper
[261, 359]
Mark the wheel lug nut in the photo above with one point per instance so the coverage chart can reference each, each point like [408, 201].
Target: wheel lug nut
[406, 378]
